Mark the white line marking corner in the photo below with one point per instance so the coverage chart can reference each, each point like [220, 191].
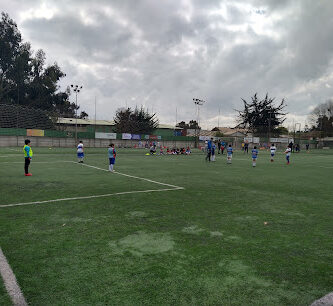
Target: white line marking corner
[10, 282]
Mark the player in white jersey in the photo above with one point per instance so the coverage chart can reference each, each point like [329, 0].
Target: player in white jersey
[288, 153]
[273, 150]
[80, 153]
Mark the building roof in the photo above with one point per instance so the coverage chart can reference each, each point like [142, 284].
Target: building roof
[74, 121]
[228, 130]
[84, 121]
[168, 126]
[192, 132]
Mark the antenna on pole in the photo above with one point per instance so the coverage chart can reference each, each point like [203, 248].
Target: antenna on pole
[176, 117]
[197, 103]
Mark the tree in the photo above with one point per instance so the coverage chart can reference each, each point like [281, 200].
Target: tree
[261, 117]
[10, 40]
[191, 125]
[83, 115]
[321, 118]
[24, 78]
[183, 125]
[136, 121]
[281, 130]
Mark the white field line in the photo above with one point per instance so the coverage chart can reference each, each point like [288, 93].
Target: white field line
[173, 187]
[39, 162]
[4, 156]
[136, 177]
[10, 281]
[89, 197]
[325, 167]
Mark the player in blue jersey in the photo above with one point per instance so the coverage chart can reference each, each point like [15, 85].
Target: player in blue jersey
[209, 149]
[255, 153]
[112, 156]
[27, 157]
[229, 154]
[213, 151]
[80, 153]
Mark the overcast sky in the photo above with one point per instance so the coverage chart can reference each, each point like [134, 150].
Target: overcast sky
[163, 53]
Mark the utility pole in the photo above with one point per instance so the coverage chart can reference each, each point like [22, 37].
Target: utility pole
[197, 103]
[299, 132]
[176, 118]
[269, 128]
[76, 89]
[95, 126]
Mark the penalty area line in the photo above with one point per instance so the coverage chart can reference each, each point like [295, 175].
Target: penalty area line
[132, 176]
[38, 162]
[90, 197]
[10, 282]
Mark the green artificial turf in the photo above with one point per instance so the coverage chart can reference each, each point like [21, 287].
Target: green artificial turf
[205, 245]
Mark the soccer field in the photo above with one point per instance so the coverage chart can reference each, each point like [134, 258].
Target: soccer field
[167, 230]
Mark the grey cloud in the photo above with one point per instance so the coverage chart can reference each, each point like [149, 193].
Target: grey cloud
[148, 50]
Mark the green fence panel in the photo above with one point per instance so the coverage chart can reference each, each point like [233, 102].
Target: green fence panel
[13, 132]
[55, 133]
[85, 135]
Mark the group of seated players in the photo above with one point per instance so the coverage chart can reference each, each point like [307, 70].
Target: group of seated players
[173, 151]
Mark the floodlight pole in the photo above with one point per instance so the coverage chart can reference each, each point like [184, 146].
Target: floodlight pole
[76, 89]
[269, 128]
[299, 132]
[198, 103]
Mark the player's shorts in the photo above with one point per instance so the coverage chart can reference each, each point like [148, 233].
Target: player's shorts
[272, 154]
[80, 155]
[112, 161]
[254, 157]
[229, 156]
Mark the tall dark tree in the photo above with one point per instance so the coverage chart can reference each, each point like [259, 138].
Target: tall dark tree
[10, 41]
[321, 119]
[137, 121]
[182, 125]
[261, 116]
[83, 115]
[193, 124]
[25, 79]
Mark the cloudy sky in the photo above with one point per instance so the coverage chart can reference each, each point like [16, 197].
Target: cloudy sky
[163, 53]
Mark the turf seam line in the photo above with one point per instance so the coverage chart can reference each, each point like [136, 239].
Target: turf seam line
[10, 281]
[90, 197]
[137, 177]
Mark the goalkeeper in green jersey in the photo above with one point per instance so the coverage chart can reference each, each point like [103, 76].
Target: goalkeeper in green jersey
[27, 157]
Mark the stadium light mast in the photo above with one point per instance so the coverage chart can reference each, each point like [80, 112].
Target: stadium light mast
[197, 103]
[269, 126]
[298, 124]
[76, 89]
